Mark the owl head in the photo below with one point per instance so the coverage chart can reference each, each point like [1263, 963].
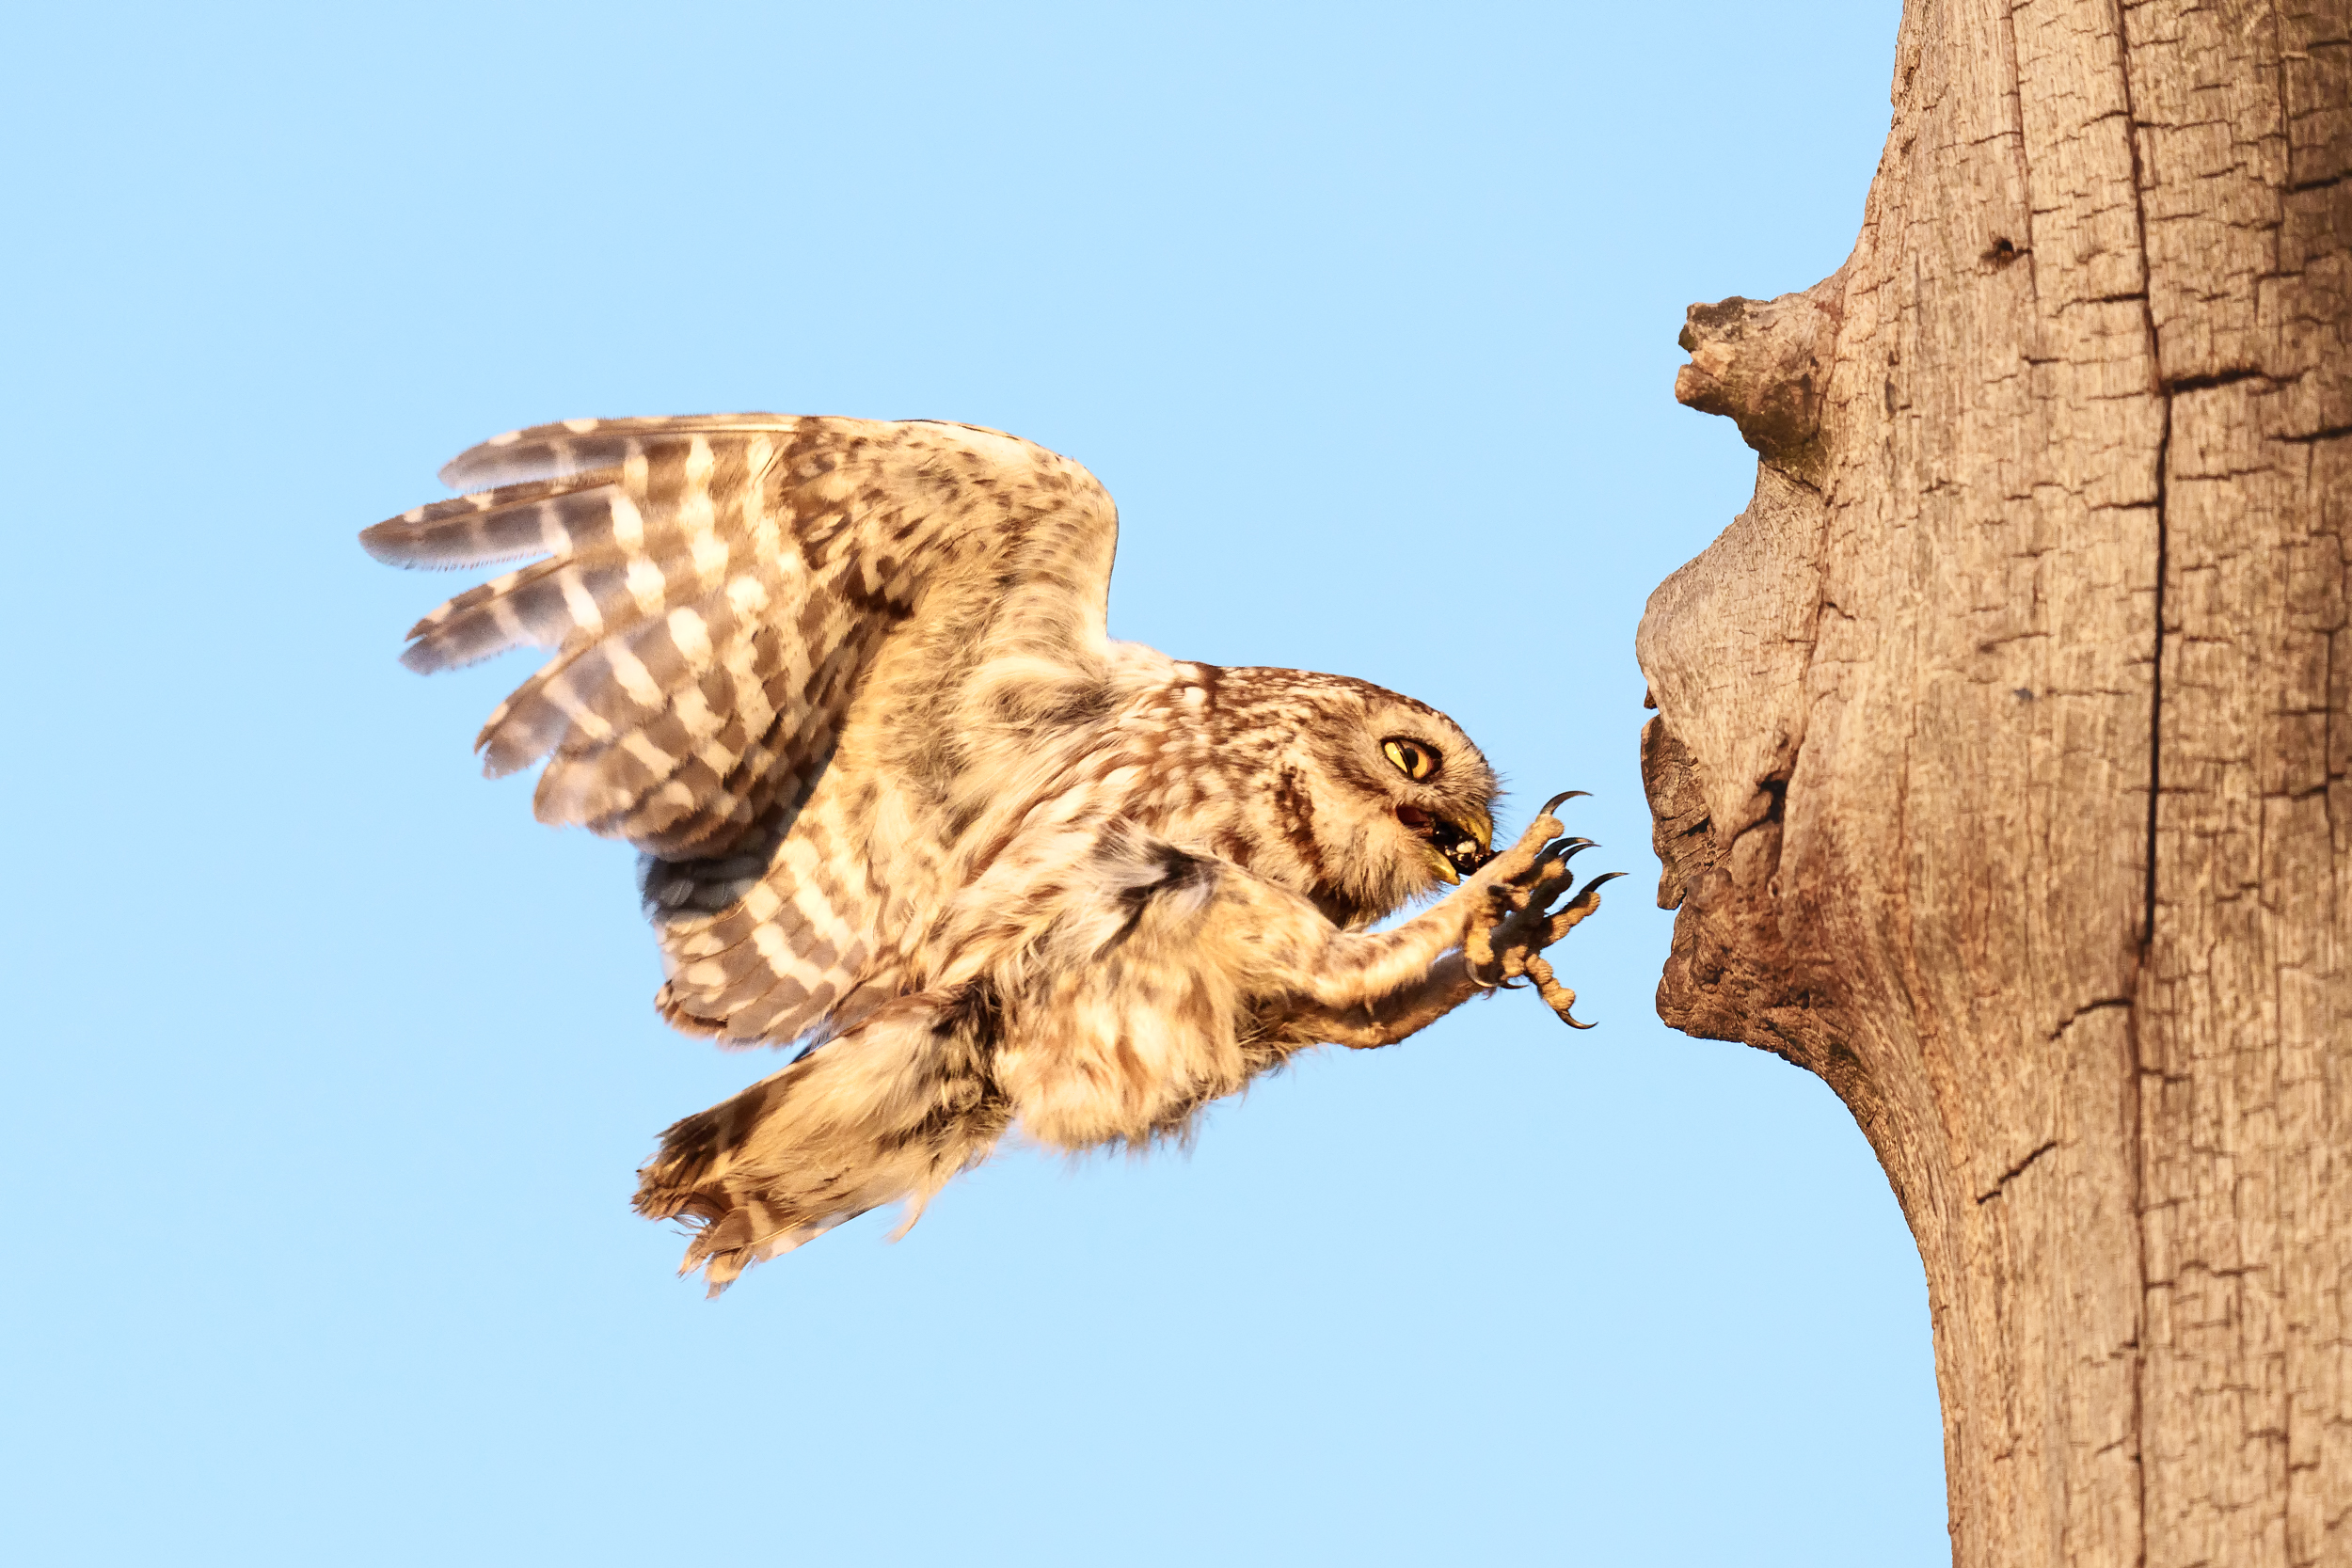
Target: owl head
[1367, 798]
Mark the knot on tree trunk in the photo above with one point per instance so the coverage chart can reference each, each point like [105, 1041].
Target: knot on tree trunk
[1764, 364]
[1727, 643]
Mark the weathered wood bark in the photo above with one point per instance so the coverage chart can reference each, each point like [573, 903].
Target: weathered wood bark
[2003, 769]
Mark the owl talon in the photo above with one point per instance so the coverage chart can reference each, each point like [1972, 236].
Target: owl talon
[1553, 865]
[1571, 914]
[1559, 998]
[1504, 936]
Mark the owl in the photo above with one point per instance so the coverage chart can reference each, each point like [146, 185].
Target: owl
[904, 806]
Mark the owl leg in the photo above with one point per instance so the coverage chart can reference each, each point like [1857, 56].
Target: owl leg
[889, 1111]
[1386, 1019]
[1376, 988]
[1514, 943]
[1357, 968]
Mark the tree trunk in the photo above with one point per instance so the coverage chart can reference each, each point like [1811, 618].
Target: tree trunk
[2001, 764]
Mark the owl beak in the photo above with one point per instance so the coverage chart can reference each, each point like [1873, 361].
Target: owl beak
[1470, 847]
[1454, 849]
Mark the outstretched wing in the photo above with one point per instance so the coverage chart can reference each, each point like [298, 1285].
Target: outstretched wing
[731, 598]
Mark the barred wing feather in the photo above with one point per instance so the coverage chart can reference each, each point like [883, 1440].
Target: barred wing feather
[719, 591]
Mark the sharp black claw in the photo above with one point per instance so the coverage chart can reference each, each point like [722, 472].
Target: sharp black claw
[1594, 885]
[1569, 1019]
[1553, 805]
[1560, 851]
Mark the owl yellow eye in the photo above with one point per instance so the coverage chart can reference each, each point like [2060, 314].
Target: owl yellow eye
[1412, 759]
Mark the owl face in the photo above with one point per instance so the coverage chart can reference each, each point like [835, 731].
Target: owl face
[1414, 796]
[1378, 798]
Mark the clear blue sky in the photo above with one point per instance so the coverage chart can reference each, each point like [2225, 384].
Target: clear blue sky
[327, 1068]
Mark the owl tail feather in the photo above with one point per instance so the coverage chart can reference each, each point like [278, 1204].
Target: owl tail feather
[891, 1109]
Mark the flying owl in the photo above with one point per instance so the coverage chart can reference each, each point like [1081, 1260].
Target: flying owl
[903, 804]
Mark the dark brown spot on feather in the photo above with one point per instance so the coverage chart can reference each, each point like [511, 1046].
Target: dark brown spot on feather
[976, 1012]
[1294, 808]
[958, 1075]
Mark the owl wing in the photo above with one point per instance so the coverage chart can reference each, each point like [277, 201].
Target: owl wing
[720, 592]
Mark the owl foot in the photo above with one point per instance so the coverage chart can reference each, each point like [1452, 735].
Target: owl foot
[1523, 914]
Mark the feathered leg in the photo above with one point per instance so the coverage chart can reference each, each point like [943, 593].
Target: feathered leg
[1377, 988]
[1357, 967]
[890, 1110]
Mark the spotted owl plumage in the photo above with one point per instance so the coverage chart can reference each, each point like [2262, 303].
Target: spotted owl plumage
[903, 803]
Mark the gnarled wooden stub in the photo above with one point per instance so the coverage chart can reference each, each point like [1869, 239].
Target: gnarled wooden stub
[2003, 763]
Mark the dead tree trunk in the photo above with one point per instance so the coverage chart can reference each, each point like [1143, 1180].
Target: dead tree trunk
[2001, 761]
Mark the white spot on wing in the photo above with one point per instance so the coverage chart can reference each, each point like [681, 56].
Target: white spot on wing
[567, 702]
[657, 762]
[629, 524]
[634, 677]
[578, 600]
[710, 553]
[646, 584]
[553, 533]
[748, 595]
[691, 636]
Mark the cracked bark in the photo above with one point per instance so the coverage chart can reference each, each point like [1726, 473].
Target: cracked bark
[2003, 771]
